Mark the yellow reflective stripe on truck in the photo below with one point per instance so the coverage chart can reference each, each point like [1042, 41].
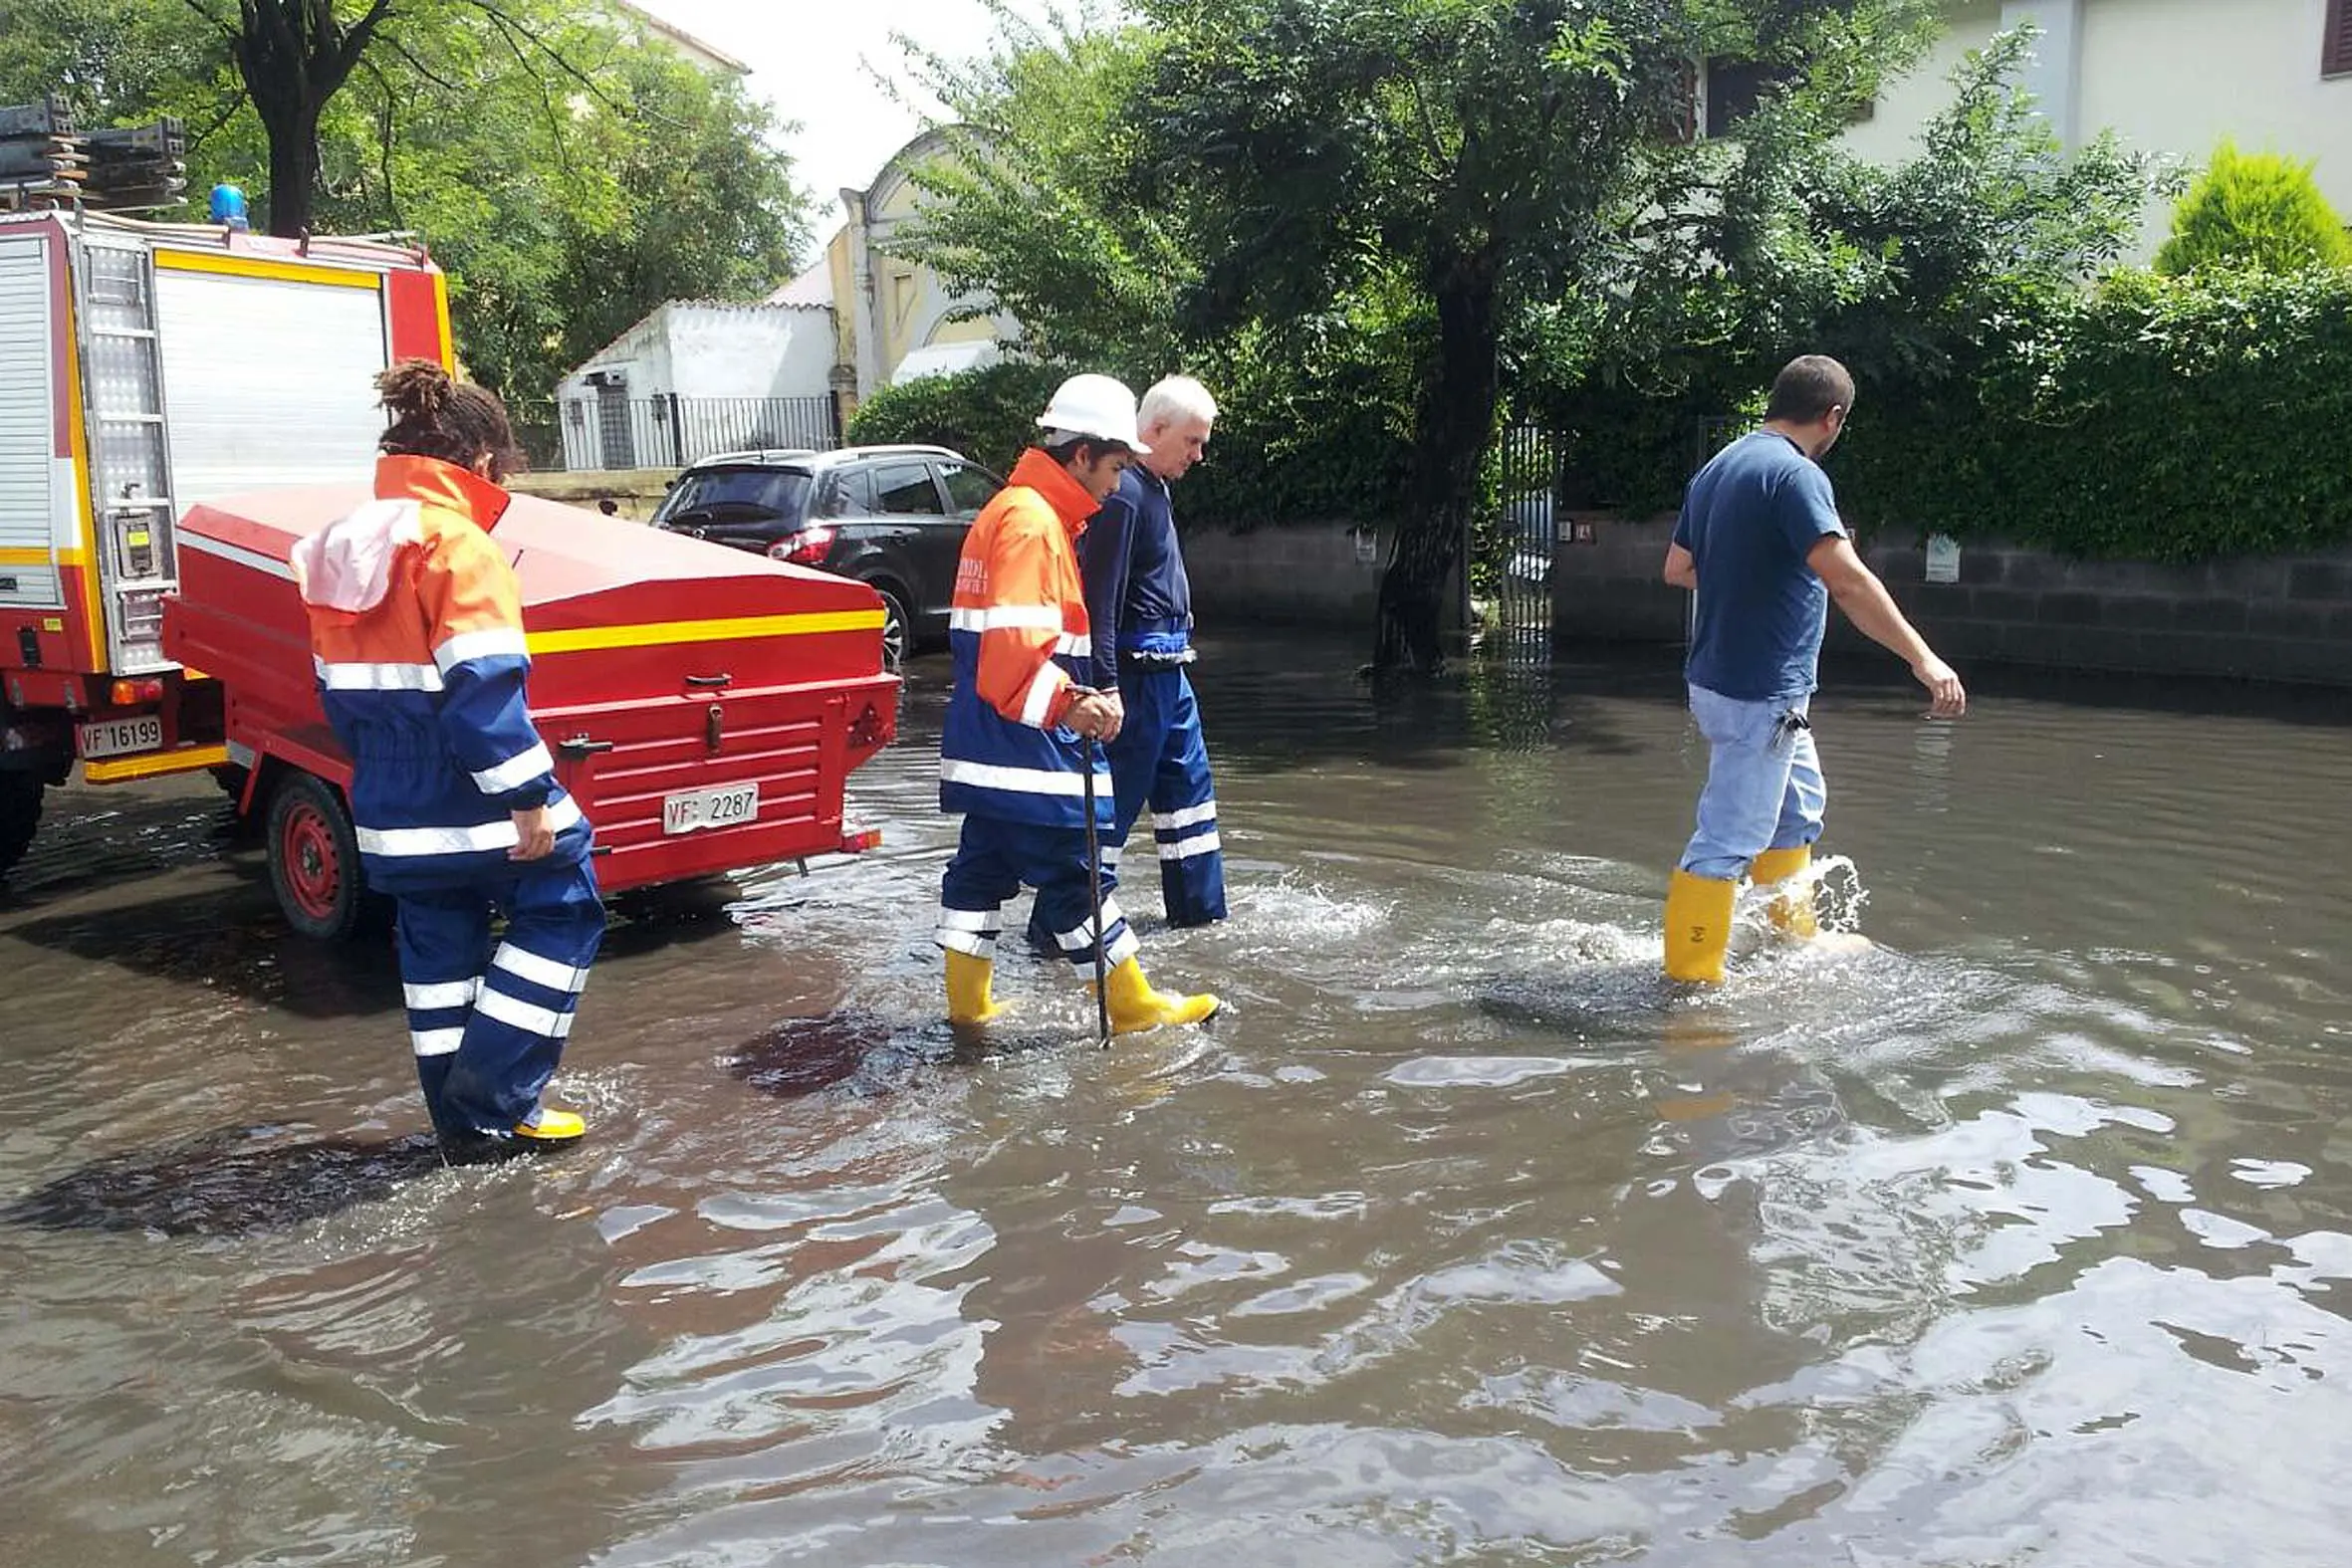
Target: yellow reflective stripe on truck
[154, 765]
[660, 633]
[235, 266]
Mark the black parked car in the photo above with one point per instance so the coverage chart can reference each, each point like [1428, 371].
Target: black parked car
[892, 517]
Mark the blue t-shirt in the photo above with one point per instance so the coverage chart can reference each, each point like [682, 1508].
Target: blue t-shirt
[1752, 516]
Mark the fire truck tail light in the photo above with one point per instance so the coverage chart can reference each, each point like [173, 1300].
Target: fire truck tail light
[808, 547]
[130, 694]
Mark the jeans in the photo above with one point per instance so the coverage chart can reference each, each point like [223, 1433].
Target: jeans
[1764, 789]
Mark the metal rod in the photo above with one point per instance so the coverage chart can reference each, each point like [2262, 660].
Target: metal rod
[1094, 891]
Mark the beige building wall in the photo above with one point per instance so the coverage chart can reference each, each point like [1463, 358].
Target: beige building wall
[2167, 76]
[888, 308]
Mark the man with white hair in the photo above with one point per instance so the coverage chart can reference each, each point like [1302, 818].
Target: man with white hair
[1009, 756]
[1139, 604]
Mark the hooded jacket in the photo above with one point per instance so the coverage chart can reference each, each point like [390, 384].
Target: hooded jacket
[417, 633]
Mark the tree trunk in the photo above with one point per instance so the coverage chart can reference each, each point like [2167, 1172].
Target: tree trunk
[1452, 429]
[293, 164]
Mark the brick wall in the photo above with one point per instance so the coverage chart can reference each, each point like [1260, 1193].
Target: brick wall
[2285, 619]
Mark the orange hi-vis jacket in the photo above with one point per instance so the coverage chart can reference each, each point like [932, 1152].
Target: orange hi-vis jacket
[1019, 636]
[416, 629]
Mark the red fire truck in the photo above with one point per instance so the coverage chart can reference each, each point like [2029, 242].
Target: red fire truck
[178, 404]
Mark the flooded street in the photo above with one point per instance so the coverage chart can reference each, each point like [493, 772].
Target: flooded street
[1460, 1239]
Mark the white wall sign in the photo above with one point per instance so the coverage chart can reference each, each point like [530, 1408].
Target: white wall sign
[1943, 559]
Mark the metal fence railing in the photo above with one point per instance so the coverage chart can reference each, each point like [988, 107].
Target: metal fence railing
[1513, 551]
[581, 433]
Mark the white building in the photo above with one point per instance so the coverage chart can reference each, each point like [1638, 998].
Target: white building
[2171, 77]
[644, 27]
[697, 377]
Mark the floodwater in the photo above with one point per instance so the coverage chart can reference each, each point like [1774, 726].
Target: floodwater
[2023, 1239]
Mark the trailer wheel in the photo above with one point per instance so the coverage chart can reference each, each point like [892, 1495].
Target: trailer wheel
[20, 813]
[315, 861]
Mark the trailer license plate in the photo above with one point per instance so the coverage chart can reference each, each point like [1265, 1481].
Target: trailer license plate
[691, 811]
[120, 736]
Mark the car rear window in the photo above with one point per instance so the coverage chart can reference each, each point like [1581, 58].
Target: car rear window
[739, 493]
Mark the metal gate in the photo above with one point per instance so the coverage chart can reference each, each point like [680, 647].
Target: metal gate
[1520, 543]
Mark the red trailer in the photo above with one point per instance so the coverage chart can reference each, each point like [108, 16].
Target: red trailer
[705, 706]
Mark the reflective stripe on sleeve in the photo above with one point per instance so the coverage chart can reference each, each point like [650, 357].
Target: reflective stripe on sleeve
[377, 677]
[1041, 692]
[517, 771]
[496, 643]
[409, 842]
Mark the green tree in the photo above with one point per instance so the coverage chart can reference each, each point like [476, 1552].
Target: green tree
[1035, 206]
[569, 180]
[1485, 154]
[2257, 210]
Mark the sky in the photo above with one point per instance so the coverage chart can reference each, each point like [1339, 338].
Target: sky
[810, 59]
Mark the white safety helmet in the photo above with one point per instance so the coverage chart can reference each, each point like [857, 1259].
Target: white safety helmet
[1092, 405]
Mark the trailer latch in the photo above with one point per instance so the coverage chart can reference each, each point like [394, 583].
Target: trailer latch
[579, 746]
[714, 730]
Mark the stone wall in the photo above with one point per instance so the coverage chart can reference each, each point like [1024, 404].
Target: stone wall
[634, 492]
[1323, 575]
[2284, 618]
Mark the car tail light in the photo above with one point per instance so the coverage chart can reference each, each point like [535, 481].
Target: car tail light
[808, 547]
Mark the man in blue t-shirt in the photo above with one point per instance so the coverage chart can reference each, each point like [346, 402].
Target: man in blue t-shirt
[1760, 543]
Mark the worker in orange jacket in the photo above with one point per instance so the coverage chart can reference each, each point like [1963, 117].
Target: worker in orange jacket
[416, 627]
[1011, 754]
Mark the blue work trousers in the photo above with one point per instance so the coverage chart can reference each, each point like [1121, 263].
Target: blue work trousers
[994, 860]
[489, 1025]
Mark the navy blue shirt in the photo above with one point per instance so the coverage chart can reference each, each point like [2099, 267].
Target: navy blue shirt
[1751, 516]
[1138, 600]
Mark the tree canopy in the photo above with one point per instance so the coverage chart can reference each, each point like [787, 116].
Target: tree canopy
[1404, 221]
[567, 177]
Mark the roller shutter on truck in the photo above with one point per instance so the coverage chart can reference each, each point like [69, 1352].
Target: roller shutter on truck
[271, 381]
[32, 476]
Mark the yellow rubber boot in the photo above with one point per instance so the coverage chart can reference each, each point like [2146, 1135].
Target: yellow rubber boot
[550, 1126]
[969, 998]
[1135, 1006]
[1698, 928]
[1789, 911]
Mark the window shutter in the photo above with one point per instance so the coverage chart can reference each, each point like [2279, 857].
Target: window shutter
[2335, 51]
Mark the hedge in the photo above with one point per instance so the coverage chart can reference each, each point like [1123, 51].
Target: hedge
[2168, 419]
[2154, 419]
